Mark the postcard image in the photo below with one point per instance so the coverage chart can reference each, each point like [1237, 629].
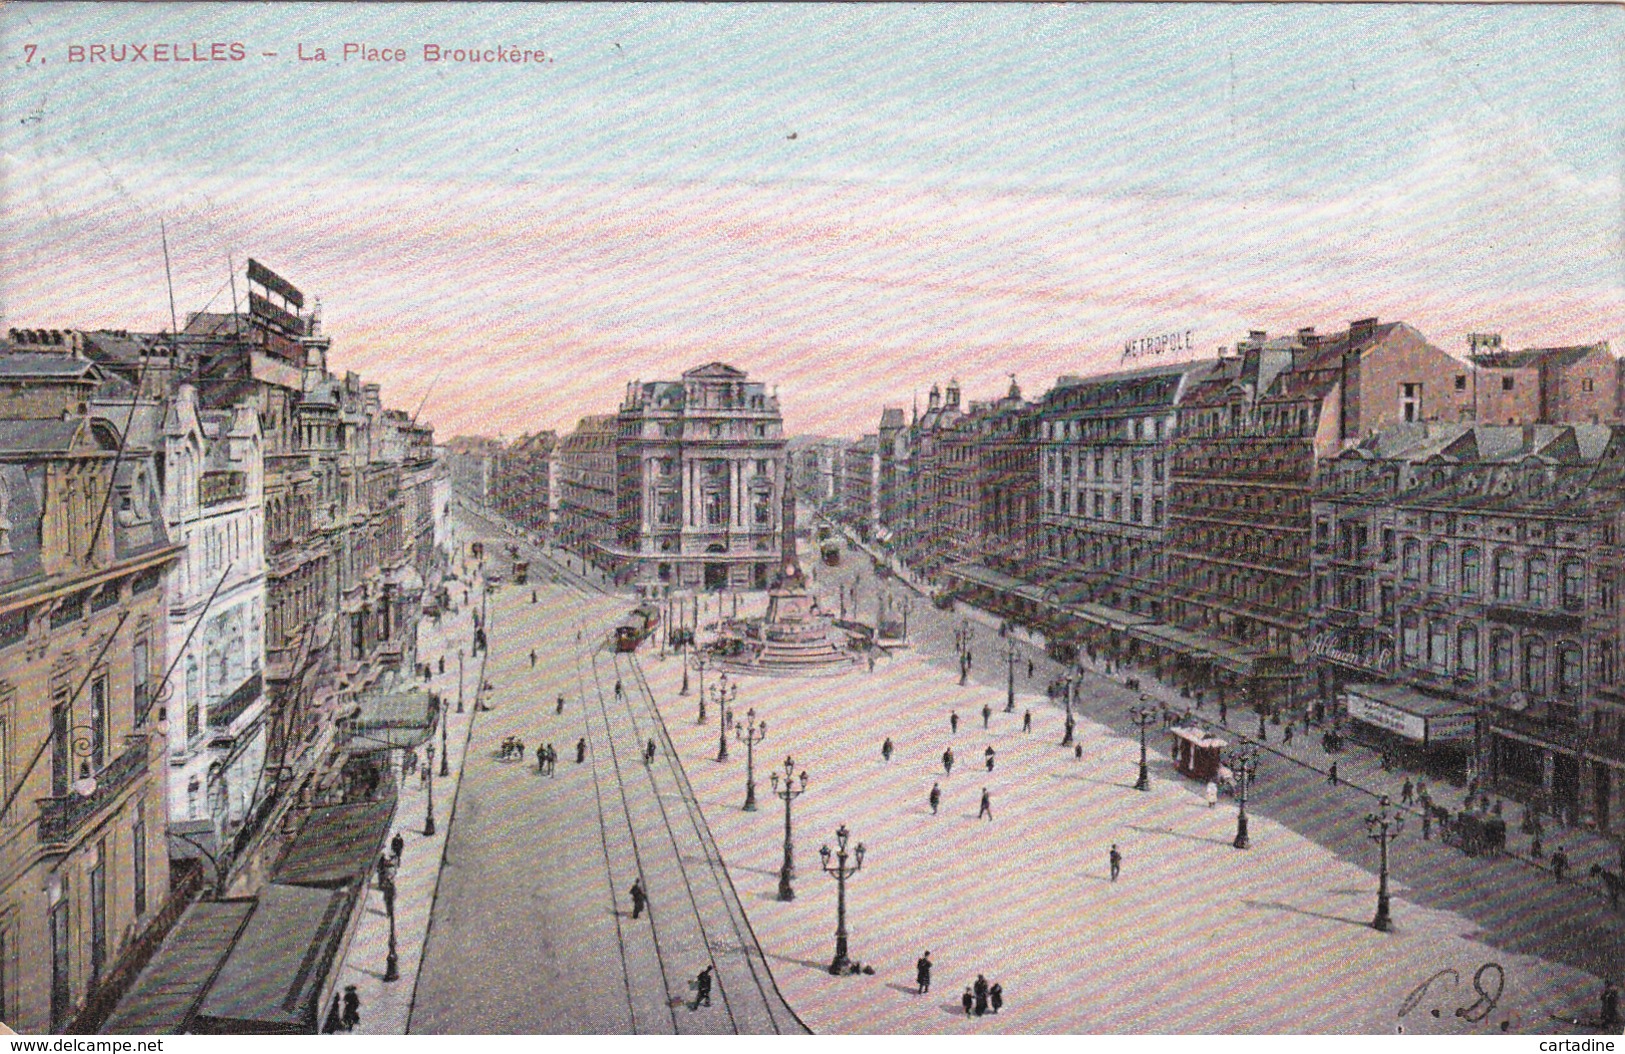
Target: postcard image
[1147, 479]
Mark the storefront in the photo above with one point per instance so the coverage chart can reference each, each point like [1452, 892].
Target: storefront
[1396, 717]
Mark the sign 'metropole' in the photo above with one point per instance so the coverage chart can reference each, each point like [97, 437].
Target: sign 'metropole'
[1160, 344]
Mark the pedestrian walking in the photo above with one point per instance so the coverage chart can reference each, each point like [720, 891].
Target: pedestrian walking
[1029, 669]
[953, 722]
[967, 1001]
[639, 897]
[885, 749]
[1406, 793]
[1427, 821]
[352, 1008]
[396, 845]
[980, 990]
[987, 807]
[1224, 712]
[948, 762]
[935, 798]
[702, 987]
[1027, 721]
[922, 974]
[987, 712]
[533, 658]
[541, 760]
[987, 755]
[1212, 794]
[1077, 752]
[1331, 774]
[1560, 863]
[1287, 736]
[649, 753]
[871, 662]
[581, 750]
[1116, 860]
[995, 997]
[442, 664]
[619, 694]
[558, 707]
[533, 596]
[1610, 1005]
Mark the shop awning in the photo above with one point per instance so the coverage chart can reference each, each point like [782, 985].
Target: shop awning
[336, 845]
[1406, 712]
[160, 1001]
[1199, 645]
[392, 720]
[1108, 616]
[271, 983]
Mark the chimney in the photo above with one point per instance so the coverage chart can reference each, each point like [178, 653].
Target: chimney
[1306, 337]
[1258, 336]
[1362, 329]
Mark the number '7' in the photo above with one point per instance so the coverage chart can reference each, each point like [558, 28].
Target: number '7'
[30, 49]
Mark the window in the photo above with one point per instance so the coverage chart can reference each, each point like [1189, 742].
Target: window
[1506, 384]
[1410, 639]
[1505, 588]
[1156, 468]
[99, 731]
[1585, 384]
[1536, 580]
[1137, 469]
[1534, 666]
[61, 754]
[139, 673]
[1569, 667]
[1467, 651]
[1439, 565]
[60, 949]
[1156, 511]
[1501, 658]
[1117, 506]
[1438, 645]
[1387, 545]
[1100, 506]
[1386, 601]
[1410, 402]
[193, 690]
[1411, 559]
[1469, 571]
[138, 849]
[1117, 467]
[98, 913]
[1461, 382]
[1573, 585]
[1138, 510]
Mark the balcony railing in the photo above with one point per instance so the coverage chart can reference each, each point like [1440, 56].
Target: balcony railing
[60, 817]
[231, 708]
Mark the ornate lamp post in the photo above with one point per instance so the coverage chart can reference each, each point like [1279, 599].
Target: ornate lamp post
[701, 661]
[1143, 716]
[444, 753]
[428, 819]
[1244, 764]
[906, 608]
[1066, 691]
[459, 680]
[789, 792]
[684, 689]
[722, 693]
[1380, 827]
[750, 734]
[386, 882]
[1010, 668]
[841, 872]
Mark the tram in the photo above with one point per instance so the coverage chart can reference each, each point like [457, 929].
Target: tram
[637, 627]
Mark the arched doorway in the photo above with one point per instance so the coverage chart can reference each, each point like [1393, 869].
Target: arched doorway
[716, 573]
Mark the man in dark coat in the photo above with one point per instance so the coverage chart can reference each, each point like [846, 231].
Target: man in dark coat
[396, 845]
[967, 1001]
[639, 898]
[1116, 860]
[1027, 721]
[988, 756]
[581, 750]
[953, 722]
[980, 990]
[533, 658]
[987, 807]
[987, 712]
[935, 798]
[948, 761]
[922, 973]
[1560, 863]
[995, 997]
[352, 1008]
[702, 985]
[559, 707]
[886, 749]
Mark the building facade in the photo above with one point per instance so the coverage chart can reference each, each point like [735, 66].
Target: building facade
[700, 475]
[587, 486]
[1573, 385]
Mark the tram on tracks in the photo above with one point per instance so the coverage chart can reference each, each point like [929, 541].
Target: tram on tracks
[637, 627]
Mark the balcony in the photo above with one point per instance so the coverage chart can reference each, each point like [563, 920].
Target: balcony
[61, 817]
[231, 708]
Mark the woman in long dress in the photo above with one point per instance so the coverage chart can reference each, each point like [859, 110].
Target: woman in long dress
[1212, 794]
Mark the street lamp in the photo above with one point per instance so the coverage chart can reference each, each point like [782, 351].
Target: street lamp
[459, 680]
[1010, 664]
[1143, 716]
[444, 753]
[1066, 691]
[684, 689]
[428, 820]
[701, 661]
[750, 734]
[1244, 766]
[722, 693]
[386, 882]
[789, 792]
[1380, 827]
[841, 872]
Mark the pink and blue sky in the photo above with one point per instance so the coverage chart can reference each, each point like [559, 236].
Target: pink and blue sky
[972, 191]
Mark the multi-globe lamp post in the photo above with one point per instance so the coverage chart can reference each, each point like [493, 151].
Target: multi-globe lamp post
[750, 733]
[790, 790]
[841, 872]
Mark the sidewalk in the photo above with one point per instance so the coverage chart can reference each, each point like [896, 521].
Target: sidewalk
[386, 1007]
[1360, 767]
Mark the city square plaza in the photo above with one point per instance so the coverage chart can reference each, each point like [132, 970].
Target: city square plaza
[1195, 936]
